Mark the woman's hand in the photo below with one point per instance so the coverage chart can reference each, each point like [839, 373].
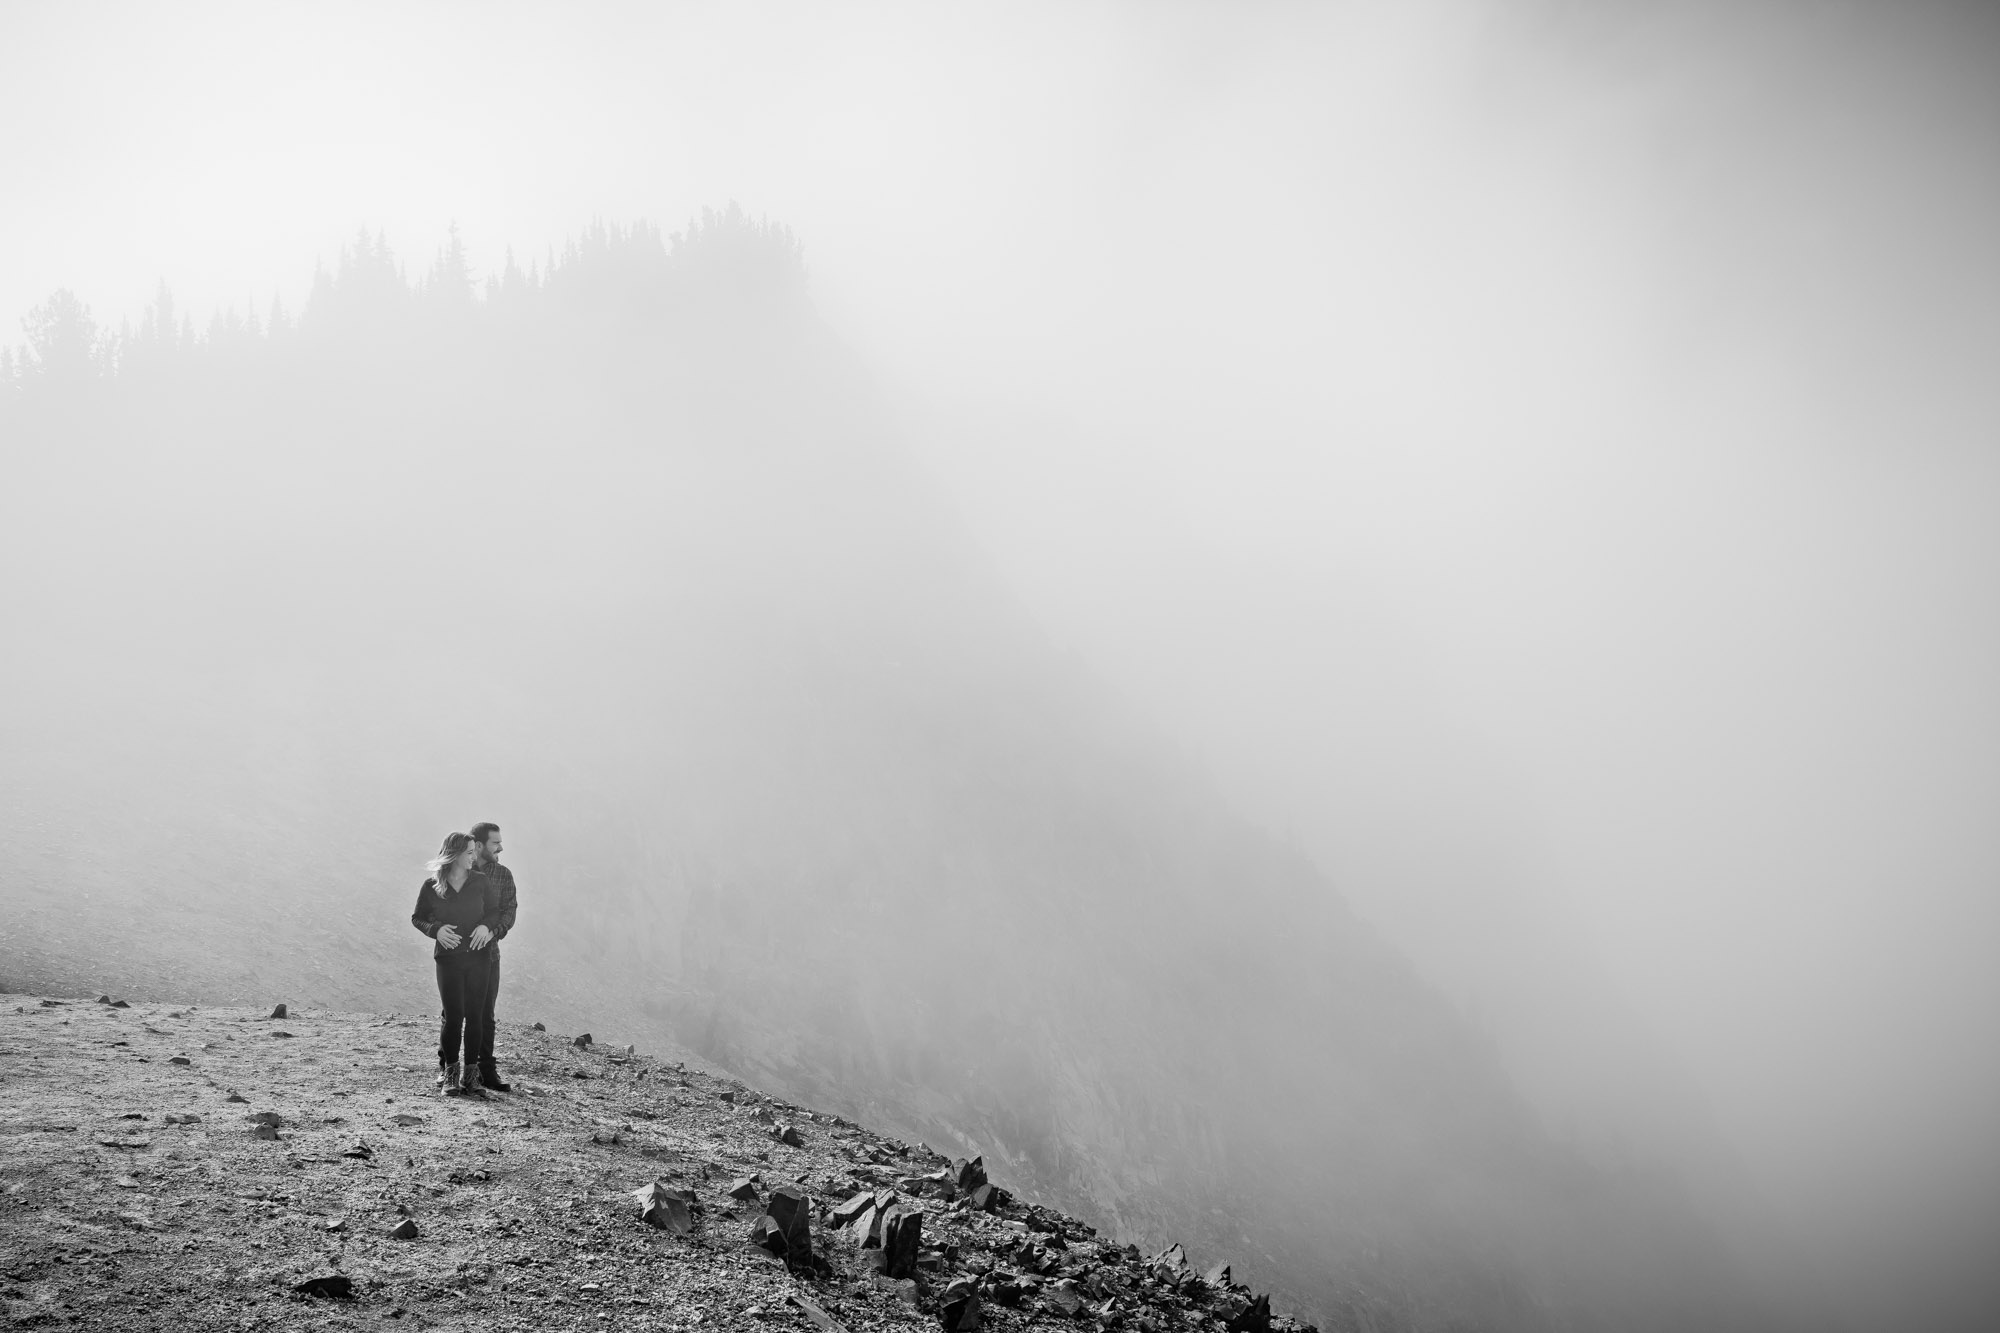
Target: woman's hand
[448, 936]
[481, 936]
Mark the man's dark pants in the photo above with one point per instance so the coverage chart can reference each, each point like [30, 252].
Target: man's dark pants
[488, 1000]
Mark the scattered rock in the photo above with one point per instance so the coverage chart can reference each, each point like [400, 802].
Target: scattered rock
[766, 1234]
[846, 1213]
[666, 1208]
[811, 1310]
[958, 1308]
[789, 1207]
[1218, 1277]
[789, 1135]
[335, 1286]
[360, 1150]
[121, 1004]
[582, 1043]
[540, 1028]
[279, 1012]
[132, 1143]
[743, 1188]
[183, 1118]
[180, 1060]
[405, 1118]
[1254, 1317]
[1064, 1297]
[969, 1176]
[984, 1198]
[237, 1097]
[901, 1233]
[404, 1230]
[279, 1032]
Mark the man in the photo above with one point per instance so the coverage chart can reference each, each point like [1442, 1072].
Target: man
[501, 879]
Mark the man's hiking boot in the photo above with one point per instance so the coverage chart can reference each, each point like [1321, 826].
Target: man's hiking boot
[448, 1080]
[489, 1078]
[471, 1086]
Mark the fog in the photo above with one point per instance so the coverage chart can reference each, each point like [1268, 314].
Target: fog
[1506, 487]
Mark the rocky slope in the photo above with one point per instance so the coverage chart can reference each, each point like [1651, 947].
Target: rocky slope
[202, 1168]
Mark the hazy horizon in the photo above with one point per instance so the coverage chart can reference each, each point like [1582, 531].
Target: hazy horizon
[1539, 461]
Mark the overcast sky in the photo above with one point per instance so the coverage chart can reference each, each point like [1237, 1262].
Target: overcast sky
[1543, 457]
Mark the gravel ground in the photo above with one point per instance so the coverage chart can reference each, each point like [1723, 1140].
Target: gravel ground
[137, 1191]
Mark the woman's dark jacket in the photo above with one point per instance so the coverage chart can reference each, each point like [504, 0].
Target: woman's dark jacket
[476, 903]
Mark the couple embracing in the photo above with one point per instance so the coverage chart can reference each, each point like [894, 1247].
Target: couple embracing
[467, 906]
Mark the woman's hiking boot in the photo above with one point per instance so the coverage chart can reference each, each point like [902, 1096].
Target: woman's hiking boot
[489, 1078]
[448, 1080]
[471, 1086]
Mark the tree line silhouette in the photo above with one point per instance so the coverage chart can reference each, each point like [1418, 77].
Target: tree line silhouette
[609, 275]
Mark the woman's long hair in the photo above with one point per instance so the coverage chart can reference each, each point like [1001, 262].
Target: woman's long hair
[439, 866]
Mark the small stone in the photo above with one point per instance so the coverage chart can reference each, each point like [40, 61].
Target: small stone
[540, 1028]
[1218, 1277]
[811, 1310]
[743, 1188]
[337, 1286]
[958, 1308]
[582, 1043]
[404, 1230]
[1254, 1318]
[1065, 1297]
[180, 1060]
[845, 1213]
[666, 1208]
[984, 1198]
[969, 1176]
[788, 1134]
[336, 1224]
[766, 1234]
[279, 1032]
[236, 1097]
[360, 1150]
[405, 1118]
[121, 1004]
[279, 1012]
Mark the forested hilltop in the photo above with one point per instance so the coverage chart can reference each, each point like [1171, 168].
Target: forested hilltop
[619, 550]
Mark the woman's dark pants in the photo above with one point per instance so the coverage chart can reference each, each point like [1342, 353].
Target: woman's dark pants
[463, 977]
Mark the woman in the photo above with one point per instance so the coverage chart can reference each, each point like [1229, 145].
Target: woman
[453, 908]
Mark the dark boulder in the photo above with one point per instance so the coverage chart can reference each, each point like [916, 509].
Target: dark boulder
[792, 1210]
[404, 1230]
[582, 1043]
[280, 1012]
[969, 1176]
[743, 1188]
[902, 1233]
